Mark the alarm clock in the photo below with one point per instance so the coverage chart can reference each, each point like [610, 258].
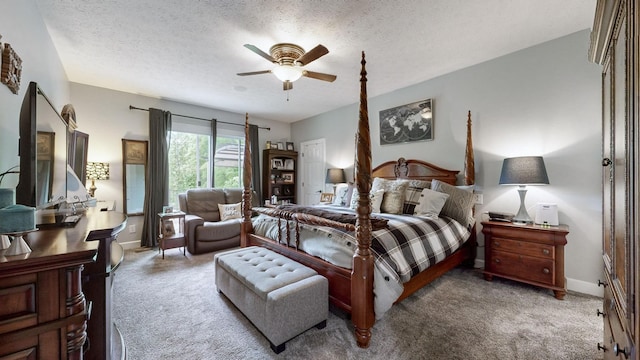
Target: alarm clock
[547, 213]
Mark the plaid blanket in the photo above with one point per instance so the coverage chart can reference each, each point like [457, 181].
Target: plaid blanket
[407, 246]
[411, 244]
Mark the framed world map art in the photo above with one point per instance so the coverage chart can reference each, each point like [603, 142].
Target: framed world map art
[407, 123]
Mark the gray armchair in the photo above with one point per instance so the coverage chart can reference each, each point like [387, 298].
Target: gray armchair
[204, 230]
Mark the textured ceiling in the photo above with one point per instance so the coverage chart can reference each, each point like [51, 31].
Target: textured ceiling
[190, 51]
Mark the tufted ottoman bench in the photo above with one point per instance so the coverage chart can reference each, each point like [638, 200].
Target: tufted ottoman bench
[281, 297]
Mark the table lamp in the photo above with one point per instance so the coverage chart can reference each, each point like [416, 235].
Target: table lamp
[335, 176]
[523, 171]
[97, 171]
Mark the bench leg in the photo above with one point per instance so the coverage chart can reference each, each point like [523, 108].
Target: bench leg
[277, 349]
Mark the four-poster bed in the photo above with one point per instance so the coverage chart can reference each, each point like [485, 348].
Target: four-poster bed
[352, 290]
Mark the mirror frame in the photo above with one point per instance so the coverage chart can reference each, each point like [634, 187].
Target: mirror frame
[77, 156]
[134, 152]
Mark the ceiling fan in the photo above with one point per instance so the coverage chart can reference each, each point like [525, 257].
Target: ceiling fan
[290, 60]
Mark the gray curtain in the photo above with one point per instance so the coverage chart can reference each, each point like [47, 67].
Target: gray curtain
[255, 162]
[157, 184]
[212, 156]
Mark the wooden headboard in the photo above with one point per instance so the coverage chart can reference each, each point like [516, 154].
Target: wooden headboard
[414, 170]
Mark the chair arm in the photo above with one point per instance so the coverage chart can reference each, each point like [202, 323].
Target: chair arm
[191, 222]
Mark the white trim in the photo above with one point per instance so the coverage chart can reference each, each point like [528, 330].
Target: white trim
[130, 244]
[585, 287]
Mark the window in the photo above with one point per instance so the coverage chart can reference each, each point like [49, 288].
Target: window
[189, 165]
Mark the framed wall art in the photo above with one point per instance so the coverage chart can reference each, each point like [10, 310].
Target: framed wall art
[287, 177]
[407, 123]
[11, 70]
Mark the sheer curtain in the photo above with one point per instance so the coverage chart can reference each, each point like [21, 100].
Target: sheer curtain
[157, 184]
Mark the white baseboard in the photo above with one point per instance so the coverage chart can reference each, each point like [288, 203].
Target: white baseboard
[585, 287]
[579, 286]
[130, 244]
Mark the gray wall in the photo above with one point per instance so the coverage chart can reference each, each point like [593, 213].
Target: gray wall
[544, 100]
[104, 114]
[23, 28]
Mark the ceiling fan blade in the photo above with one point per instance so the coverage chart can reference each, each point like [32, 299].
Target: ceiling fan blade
[260, 52]
[313, 54]
[319, 76]
[254, 73]
[287, 85]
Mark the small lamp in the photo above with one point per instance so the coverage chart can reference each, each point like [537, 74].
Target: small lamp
[97, 171]
[523, 171]
[335, 176]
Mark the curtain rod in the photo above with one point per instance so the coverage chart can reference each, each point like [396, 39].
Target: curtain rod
[131, 107]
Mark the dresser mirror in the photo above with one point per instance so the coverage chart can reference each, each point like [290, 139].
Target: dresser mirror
[134, 162]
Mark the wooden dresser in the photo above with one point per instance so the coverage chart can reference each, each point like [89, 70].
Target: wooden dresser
[56, 297]
[527, 253]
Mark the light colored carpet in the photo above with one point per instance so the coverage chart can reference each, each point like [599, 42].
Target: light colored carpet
[169, 309]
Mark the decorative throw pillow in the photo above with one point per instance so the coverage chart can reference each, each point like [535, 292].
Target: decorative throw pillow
[391, 185]
[343, 194]
[229, 211]
[376, 200]
[459, 204]
[431, 202]
[393, 201]
[412, 197]
[375, 196]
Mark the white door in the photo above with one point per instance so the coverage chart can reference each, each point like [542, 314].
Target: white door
[312, 166]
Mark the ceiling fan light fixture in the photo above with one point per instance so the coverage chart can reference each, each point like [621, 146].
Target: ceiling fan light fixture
[287, 72]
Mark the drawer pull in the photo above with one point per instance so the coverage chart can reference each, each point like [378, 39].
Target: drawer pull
[602, 347]
[545, 251]
[546, 271]
[497, 261]
[618, 351]
[600, 283]
[496, 243]
[598, 313]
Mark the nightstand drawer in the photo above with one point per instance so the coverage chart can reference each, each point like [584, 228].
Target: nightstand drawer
[522, 266]
[524, 248]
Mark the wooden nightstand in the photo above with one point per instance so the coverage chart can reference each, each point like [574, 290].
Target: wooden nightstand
[530, 254]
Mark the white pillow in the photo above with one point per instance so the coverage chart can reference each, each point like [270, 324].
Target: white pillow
[376, 200]
[229, 211]
[431, 203]
[342, 192]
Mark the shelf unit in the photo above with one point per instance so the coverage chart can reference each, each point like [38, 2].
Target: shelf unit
[279, 175]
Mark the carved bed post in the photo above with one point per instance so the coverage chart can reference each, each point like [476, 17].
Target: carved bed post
[469, 167]
[246, 229]
[362, 313]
